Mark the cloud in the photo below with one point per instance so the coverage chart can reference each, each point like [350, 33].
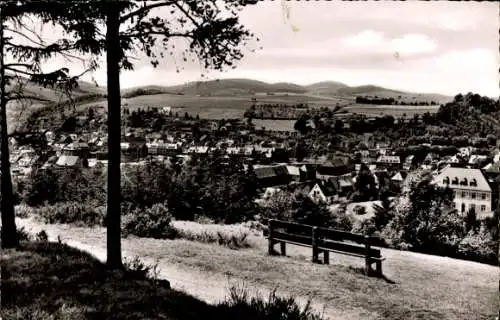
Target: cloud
[413, 43]
[442, 47]
[365, 38]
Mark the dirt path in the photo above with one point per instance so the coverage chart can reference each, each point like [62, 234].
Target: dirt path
[206, 286]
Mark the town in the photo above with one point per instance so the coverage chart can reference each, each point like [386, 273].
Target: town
[280, 159]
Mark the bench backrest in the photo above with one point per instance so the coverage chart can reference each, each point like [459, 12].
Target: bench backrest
[325, 238]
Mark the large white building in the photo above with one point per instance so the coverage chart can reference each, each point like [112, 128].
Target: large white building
[470, 187]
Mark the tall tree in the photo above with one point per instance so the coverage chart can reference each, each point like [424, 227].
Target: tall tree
[21, 55]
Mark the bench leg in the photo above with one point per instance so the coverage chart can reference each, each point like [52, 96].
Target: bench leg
[379, 267]
[368, 267]
[283, 248]
[326, 257]
[315, 255]
[270, 248]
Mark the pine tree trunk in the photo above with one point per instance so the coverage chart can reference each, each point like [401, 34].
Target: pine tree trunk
[114, 254]
[9, 233]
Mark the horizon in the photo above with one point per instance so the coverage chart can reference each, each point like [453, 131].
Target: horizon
[419, 47]
[288, 82]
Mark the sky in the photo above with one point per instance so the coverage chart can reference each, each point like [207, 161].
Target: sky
[432, 47]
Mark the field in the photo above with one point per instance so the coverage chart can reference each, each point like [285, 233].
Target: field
[235, 106]
[218, 107]
[394, 110]
[416, 286]
[275, 125]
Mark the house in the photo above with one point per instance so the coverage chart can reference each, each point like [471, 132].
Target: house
[331, 169]
[294, 173]
[389, 162]
[271, 176]
[78, 148]
[476, 160]
[397, 180]
[470, 187]
[198, 149]
[163, 149]
[71, 162]
[323, 192]
[345, 184]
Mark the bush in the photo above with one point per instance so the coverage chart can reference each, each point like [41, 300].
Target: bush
[138, 269]
[227, 239]
[24, 211]
[151, 222]
[72, 213]
[479, 246]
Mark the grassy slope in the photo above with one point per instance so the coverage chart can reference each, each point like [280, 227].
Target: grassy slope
[43, 280]
[425, 287]
[40, 281]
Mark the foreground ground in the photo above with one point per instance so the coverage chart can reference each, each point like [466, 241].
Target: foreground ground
[416, 286]
[50, 280]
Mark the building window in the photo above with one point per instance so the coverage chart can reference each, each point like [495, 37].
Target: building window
[483, 208]
[464, 194]
[472, 206]
[473, 195]
[483, 196]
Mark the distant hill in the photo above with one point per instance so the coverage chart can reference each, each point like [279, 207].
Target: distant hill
[49, 94]
[366, 90]
[231, 87]
[326, 88]
[236, 87]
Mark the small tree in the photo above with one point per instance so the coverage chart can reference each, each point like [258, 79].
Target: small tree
[471, 222]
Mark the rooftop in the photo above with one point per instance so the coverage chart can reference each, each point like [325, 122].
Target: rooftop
[463, 178]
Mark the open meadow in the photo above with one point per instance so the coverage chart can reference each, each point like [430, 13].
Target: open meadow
[393, 110]
[226, 107]
[416, 286]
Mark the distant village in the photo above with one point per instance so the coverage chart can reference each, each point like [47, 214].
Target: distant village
[330, 178]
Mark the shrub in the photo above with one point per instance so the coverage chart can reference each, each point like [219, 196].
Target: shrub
[23, 211]
[151, 222]
[72, 213]
[227, 239]
[138, 269]
[239, 305]
[42, 236]
[478, 246]
[232, 236]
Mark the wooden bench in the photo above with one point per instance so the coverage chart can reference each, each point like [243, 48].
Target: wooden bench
[323, 241]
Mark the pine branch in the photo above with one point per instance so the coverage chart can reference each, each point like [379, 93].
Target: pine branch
[145, 9]
[39, 43]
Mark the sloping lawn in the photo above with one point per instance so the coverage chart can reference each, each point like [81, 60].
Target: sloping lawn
[44, 280]
[417, 286]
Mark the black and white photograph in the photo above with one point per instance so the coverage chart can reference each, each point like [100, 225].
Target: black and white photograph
[246, 159]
